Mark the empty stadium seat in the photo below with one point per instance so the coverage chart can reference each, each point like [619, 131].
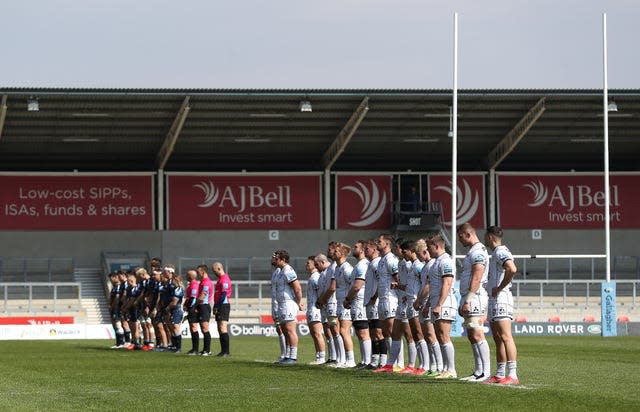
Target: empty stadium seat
[589, 319]
[554, 319]
[623, 318]
[521, 319]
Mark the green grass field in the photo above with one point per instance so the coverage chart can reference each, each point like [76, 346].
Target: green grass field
[557, 373]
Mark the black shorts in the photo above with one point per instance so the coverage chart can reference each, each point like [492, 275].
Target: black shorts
[223, 312]
[360, 324]
[204, 313]
[192, 315]
[375, 324]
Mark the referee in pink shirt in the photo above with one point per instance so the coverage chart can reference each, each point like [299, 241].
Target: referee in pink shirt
[221, 306]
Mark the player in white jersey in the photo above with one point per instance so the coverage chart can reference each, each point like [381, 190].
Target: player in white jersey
[388, 281]
[443, 302]
[343, 284]
[355, 302]
[289, 297]
[327, 303]
[378, 345]
[401, 323]
[314, 317]
[501, 272]
[411, 291]
[473, 305]
[422, 304]
[274, 310]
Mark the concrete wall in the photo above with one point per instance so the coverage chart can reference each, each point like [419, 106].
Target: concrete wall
[85, 247]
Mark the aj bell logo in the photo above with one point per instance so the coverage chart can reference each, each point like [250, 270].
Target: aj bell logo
[467, 201]
[240, 197]
[569, 196]
[373, 205]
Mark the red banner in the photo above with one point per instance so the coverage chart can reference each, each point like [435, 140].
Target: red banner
[243, 202]
[363, 202]
[76, 202]
[470, 198]
[567, 201]
[36, 320]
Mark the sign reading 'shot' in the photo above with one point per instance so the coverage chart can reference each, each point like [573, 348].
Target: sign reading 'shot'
[567, 201]
[243, 201]
[77, 202]
[363, 202]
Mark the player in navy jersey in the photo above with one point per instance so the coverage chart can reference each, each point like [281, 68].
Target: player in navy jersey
[114, 310]
[154, 300]
[145, 317]
[124, 317]
[133, 308]
[173, 310]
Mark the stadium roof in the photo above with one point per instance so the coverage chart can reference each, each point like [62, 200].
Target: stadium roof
[208, 130]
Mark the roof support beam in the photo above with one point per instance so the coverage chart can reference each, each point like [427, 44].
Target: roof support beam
[344, 136]
[173, 135]
[511, 139]
[3, 113]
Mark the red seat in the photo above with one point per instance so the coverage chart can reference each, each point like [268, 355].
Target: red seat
[589, 319]
[522, 319]
[623, 318]
[554, 319]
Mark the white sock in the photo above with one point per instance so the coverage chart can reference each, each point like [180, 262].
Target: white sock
[396, 347]
[388, 342]
[383, 359]
[375, 359]
[476, 359]
[332, 351]
[339, 344]
[485, 356]
[449, 357]
[400, 358]
[511, 367]
[293, 352]
[350, 356]
[283, 346]
[423, 351]
[438, 363]
[500, 369]
[320, 356]
[413, 353]
[366, 352]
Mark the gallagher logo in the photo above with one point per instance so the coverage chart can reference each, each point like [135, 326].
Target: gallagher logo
[242, 197]
[467, 201]
[374, 202]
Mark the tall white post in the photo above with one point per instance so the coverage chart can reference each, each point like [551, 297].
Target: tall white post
[454, 143]
[607, 194]
[608, 308]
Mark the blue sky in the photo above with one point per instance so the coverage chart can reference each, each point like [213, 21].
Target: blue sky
[317, 44]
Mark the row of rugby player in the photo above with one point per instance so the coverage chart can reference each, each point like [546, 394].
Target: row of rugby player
[401, 288]
[155, 306]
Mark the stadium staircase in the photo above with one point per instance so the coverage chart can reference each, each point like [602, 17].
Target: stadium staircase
[94, 300]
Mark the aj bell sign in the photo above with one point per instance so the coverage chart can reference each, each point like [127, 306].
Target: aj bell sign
[244, 201]
[566, 201]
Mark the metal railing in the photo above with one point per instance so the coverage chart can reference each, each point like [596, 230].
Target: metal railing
[256, 295]
[40, 296]
[45, 269]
